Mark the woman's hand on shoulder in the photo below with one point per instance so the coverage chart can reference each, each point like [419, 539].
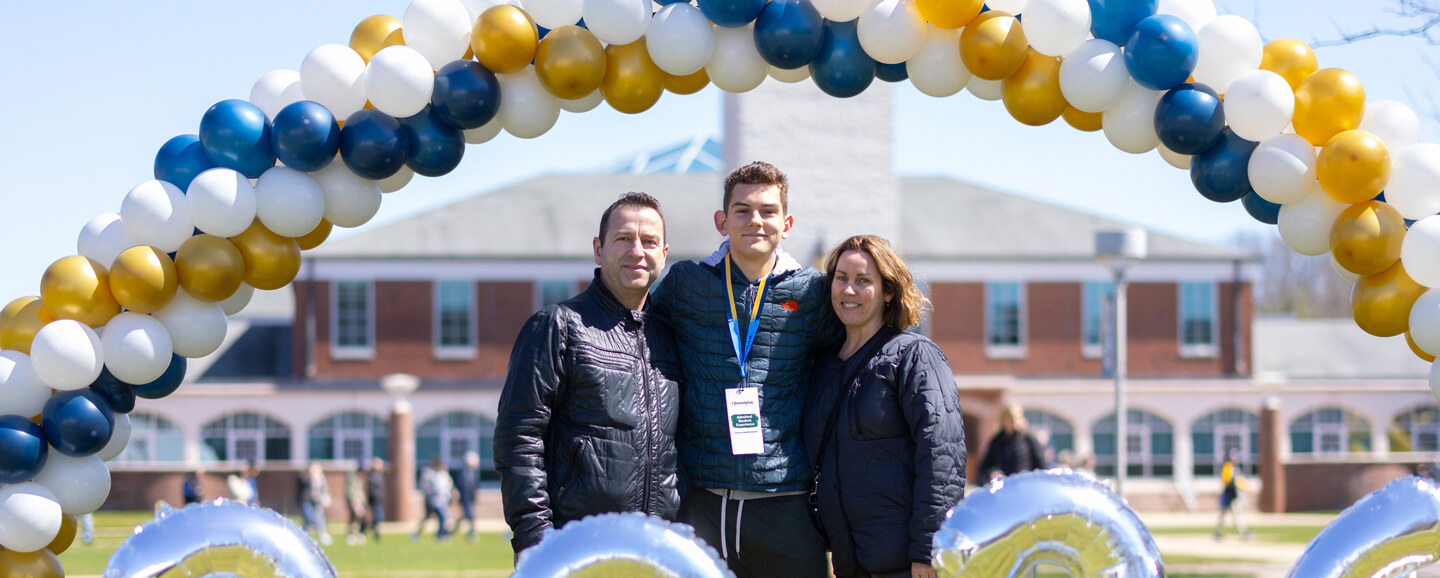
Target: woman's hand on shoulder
[918, 570]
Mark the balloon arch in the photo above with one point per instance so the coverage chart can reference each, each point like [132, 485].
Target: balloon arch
[151, 285]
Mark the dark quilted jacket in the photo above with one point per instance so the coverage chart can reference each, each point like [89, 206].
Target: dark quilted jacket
[896, 461]
[585, 426]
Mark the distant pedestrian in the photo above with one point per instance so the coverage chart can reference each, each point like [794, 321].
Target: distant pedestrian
[192, 488]
[375, 496]
[355, 503]
[1231, 496]
[245, 487]
[1014, 449]
[314, 496]
[437, 487]
[467, 484]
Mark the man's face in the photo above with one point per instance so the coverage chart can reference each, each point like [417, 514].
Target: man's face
[632, 254]
[755, 221]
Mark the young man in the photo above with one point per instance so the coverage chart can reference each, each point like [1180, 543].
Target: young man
[746, 320]
[587, 418]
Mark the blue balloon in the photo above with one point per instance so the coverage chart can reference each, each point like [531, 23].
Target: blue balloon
[891, 72]
[1161, 52]
[1189, 118]
[373, 144]
[731, 13]
[167, 383]
[305, 136]
[1114, 19]
[842, 69]
[180, 159]
[788, 33]
[236, 136]
[23, 449]
[466, 94]
[120, 396]
[435, 146]
[1263, 210]
[1220, 172]
[77, 423]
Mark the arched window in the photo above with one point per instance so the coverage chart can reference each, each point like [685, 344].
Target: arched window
[1330, 431]
[1150, 447]
[451, 435]
[1417, 430]
[153, 439]
[1214, 435]
[1055, 431]
[246, 437]
[351, 436]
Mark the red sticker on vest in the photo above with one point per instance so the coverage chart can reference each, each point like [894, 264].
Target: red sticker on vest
[791, 305]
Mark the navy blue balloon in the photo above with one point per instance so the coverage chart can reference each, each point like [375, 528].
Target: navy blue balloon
[1189, 118]
[1220, 172]
[180, 159]
[77, 423]
[167, 383]
[466, 94]
[788, 33]
[731, 13]
[23, 449]
[1114, 19]
[891, 72]
[236, 135]
[120, 396]
[842, 69]
[435, 147]
[373, 144]
[1161, 52]
[305, 136]
[669, 2]
[1263, 210]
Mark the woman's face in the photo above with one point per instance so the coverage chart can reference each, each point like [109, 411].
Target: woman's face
[857, 291]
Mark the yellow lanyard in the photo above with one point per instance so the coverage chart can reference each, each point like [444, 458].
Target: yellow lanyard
[743, 354]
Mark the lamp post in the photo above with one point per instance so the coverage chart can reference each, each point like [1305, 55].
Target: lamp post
[400, 502]
[1118, 250]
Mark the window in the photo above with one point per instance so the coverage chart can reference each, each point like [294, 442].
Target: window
[245, 437]
[1053, 430]
[1150, 445]
[1095, 315]
[553, 291]
[1417, 430]
[1330, 432]
[1004, 320]
[1214, 435]
[1197, 319]
[351, 436]
[455, 320]
[453, 434]
[353, 328]
[153, 439]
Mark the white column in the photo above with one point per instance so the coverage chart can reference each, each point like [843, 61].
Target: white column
[1184, 463]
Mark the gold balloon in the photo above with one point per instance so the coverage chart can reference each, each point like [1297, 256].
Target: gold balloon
[78, 287]
[370, 34]
[1365, 239]
[65, 537]
[396, 38]
[19, 321]
[1327, 103]
[1353, 167]
[949, 14]
[1081, 120]
[1381, 302]
[688, 84]
[1291, 59]
[993, 45]
[1032, 94]
[570, 62]
[271, 261]
[38, 564]
[1416, 348]
[504, 39]
[632, 82]
[143, 279]
[315, 237]
[210, 268]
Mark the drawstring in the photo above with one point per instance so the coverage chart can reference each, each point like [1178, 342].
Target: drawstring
[724, 500]
[739, 511]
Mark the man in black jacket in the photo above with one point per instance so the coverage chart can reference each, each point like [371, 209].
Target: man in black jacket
[587, 418]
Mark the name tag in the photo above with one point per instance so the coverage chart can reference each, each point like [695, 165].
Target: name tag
[742, 408]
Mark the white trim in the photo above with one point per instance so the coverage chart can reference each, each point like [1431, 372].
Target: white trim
[948, 271]
[421, 269]
[1201, 350]
[453, 352]
[351, 352]
[1022, 332]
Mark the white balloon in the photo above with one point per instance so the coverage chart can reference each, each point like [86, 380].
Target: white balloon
[891, 31]
[103, 239]
[222, 202]
[1341, 271]
[276, 90]
[841, 10]
[1229, 47]
[333, 75]
[67, 355]
[790, 76]
[1393, 122]
[119, 438]
[137, 347]
[350, 200]
[1425, 321]
[1414, 186]
[398, 81]
[528, 109]
[736, 65]
[553, 14]
[477, 7]
[289, 202]
[196, 327]
[1196, 13]
[1258, 105]
[1093, 77]
[156, 214]
[615, 21]
[580, 105]
[29, 516]
[937, 70]
[438, 29]
[680, 39]
[80, 485]
[1130, 125]
[1175, 159]
[489, 130]
[1420, 252]
[1056, 27]
[1282, 168]
[1305, 223]
[21, 391]
[990, 90]
[237, 302]
[388, 184]
[1011, 6]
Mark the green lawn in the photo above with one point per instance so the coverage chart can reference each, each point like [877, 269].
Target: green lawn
[1264, 534]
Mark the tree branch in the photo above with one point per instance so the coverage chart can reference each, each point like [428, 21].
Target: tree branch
[1409, 9]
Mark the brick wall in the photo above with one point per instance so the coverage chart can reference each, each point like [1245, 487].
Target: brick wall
[1335, 486]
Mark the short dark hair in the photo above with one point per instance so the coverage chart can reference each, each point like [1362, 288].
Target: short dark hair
[757, 173]
[635, 200]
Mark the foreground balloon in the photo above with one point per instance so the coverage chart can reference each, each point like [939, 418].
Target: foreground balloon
[1390, 532]
[221, 537]
[78, 288]
[1381, 302]
[630, 544]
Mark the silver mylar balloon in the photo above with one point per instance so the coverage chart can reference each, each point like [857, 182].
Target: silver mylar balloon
[220, 537]
[1390, 532]
[631, 544]
[1054, 517]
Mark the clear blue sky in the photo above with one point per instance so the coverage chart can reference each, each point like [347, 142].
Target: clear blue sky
[92, 89]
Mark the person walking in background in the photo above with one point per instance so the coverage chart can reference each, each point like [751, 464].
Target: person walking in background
[1013, 449]
[1231, 498]
[436, 487]
[375, 496]
[191, 488]
[314, 495]
[355, 502]
[467, 484]
[244, 487]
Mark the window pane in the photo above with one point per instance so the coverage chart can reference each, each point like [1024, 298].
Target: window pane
[1301, 443]
[352, 314]
[553, 291]
[1003, 315]
[1093, 298]
[456, 306]
[1197, 313]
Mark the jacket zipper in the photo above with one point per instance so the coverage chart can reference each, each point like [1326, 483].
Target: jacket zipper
[645, 393]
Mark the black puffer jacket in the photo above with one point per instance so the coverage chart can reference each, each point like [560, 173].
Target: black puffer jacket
[896, 460]
[585, 424]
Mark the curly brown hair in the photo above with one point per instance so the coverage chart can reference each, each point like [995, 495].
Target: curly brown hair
[757, 173]
[907, 303]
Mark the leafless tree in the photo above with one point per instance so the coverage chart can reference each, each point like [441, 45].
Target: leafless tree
[1295, 284]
